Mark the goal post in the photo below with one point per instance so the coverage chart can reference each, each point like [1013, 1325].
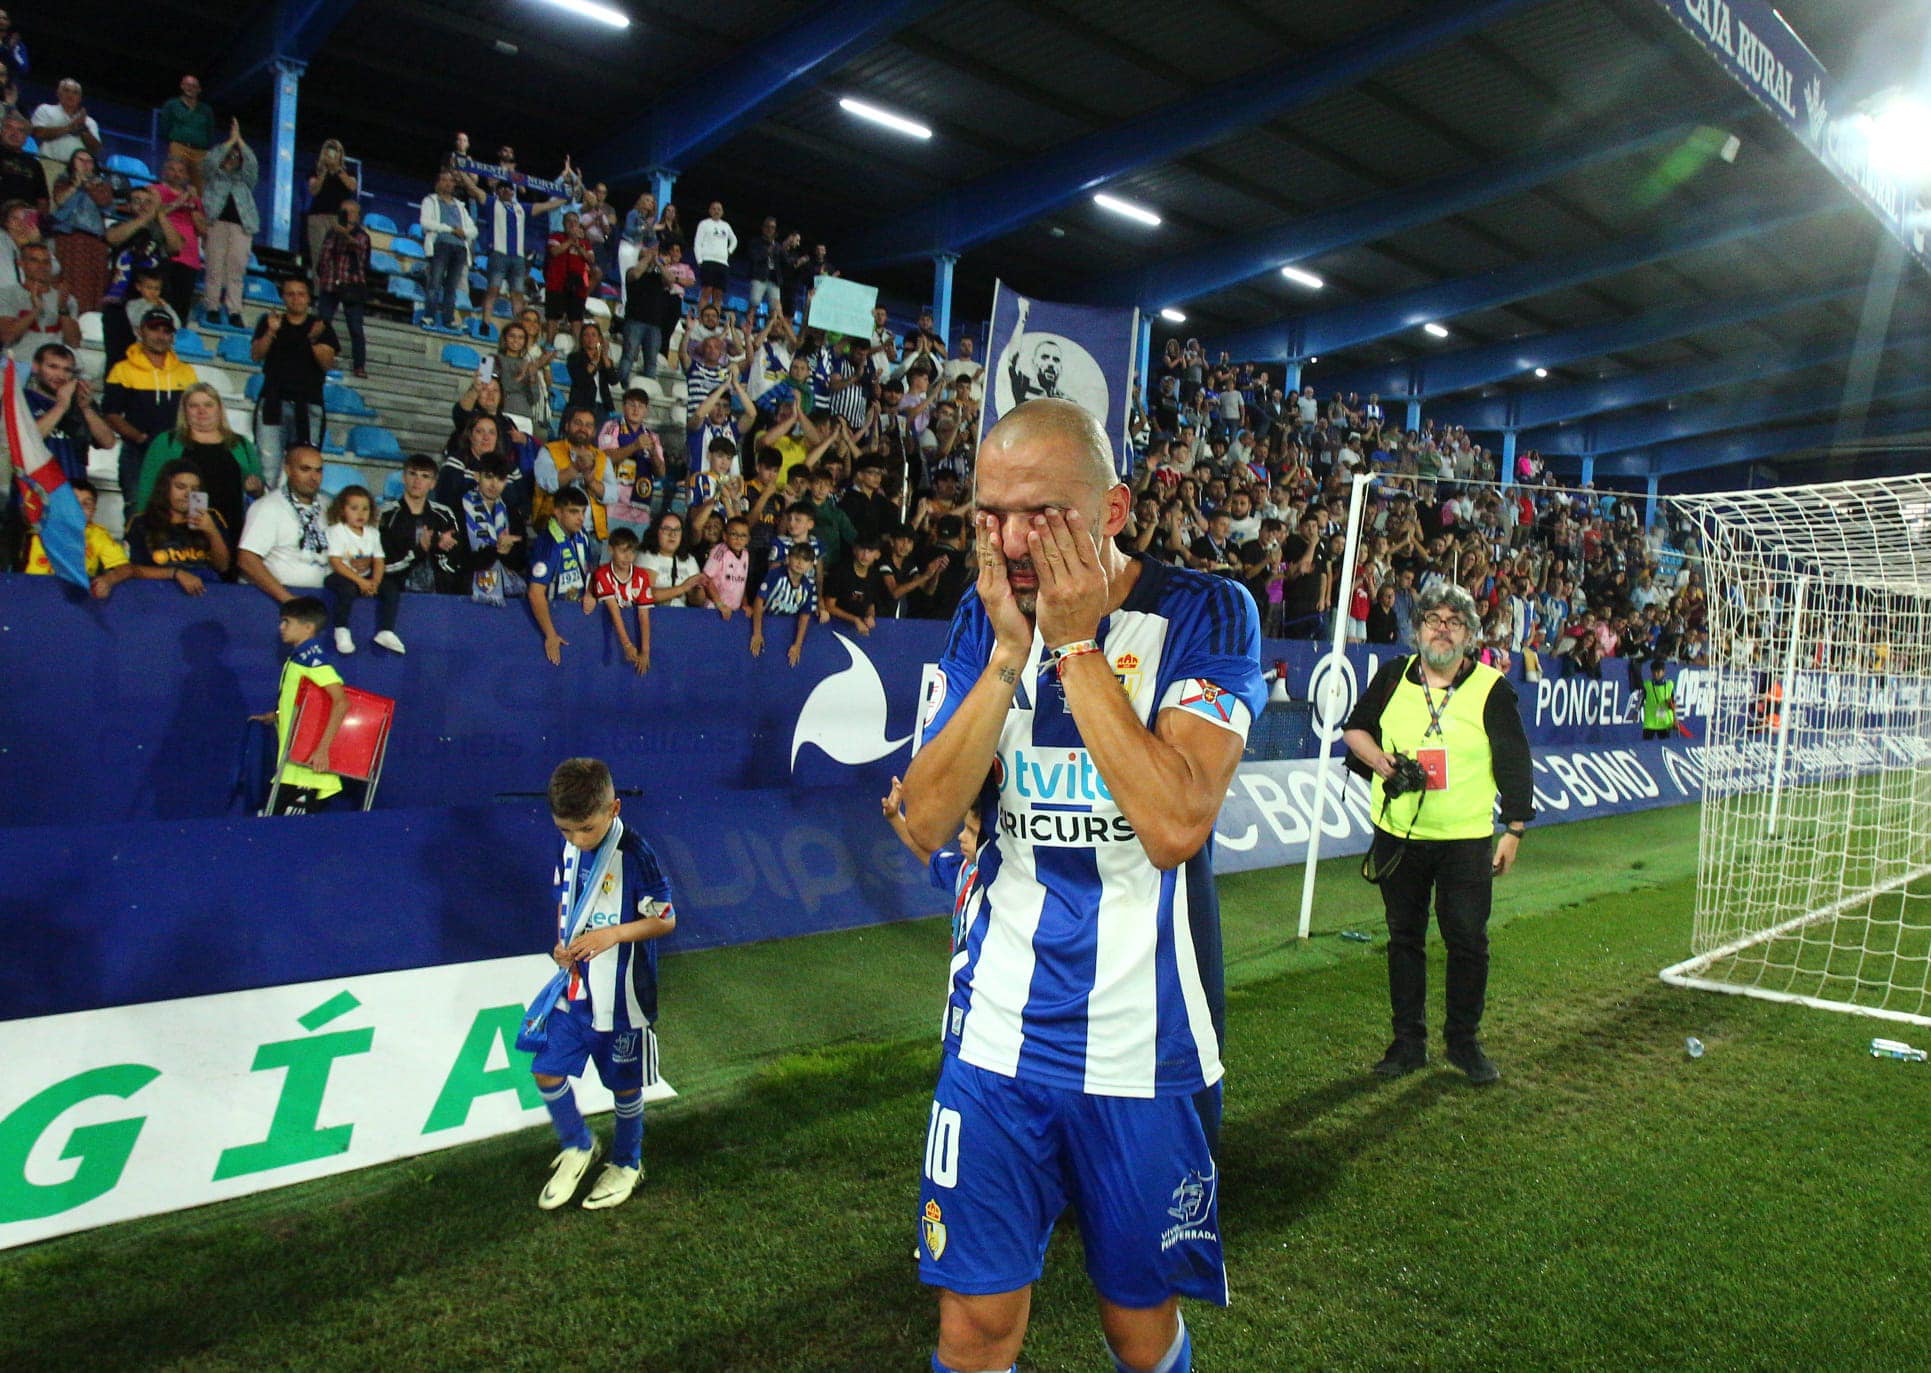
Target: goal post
[1814, 855]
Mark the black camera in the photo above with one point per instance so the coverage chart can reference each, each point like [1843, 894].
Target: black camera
[1408, 776]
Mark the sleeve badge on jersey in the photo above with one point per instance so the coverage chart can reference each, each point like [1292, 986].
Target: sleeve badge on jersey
[1204, 698]
[934, 1230]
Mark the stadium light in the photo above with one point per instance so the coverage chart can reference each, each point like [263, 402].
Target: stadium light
[1897, 137]
[1541, 372]
[896, 122]
[1139, 213]
[1435, 329]
[590, 9]
[1307, 279]
[1315, 358]
[1173, 316]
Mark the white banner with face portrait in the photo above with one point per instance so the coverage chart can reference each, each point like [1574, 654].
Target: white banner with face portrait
[1082, 353]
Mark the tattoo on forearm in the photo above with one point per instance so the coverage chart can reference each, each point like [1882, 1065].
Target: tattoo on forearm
[1008, 675]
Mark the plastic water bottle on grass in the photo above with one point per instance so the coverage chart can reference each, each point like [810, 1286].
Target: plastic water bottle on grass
[1357, 936]
[1898, 1049]
[1693, 1047]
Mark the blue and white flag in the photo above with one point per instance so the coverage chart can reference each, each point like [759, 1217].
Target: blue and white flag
[1081, 353]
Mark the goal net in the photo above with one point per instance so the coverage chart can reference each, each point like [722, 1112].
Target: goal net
[1814, 864]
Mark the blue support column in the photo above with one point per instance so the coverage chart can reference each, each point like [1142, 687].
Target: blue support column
[1290, 376]
[281, 220]
[1507, 474]
[1588, 469]
[1649, 510]
[1414, 414]
[663, 180]
[942, 265]
[1143, 360]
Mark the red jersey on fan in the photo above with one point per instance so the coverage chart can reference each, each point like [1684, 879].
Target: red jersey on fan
[625, 591]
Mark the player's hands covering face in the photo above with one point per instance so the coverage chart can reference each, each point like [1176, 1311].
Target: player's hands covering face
[1010, 625]
[1074, 588]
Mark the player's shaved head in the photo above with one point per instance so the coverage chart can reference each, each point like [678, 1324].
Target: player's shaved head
[1048, 430]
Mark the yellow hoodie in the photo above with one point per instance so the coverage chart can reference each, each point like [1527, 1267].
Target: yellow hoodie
[147, 393]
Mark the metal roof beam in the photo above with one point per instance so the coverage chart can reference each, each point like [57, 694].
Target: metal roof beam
[1463, 370]
[739, 90]
[1002, 201]
[1537, 411]
[1650, 429]
[1176, 279]
[291, 30]
[1693, 455]
[1329, 331]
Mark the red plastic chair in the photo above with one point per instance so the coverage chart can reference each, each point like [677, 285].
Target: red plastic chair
[361, 743]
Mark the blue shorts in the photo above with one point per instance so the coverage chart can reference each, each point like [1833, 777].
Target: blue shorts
[1004, 1157]
[626, 1059]
[508, 269]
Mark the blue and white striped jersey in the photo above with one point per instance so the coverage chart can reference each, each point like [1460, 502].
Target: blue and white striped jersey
[621, 982]
[1083, 966]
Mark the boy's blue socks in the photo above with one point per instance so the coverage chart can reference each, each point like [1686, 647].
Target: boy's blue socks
[561, 1103]
[938, 1367]
[627, 1147]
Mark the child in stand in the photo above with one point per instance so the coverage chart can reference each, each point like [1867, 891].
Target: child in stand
[729, 567]
[852, 590]
[355, 568]
[305, 790]
[788, 590]
[1360, 601]
[101, 549]
[613, 902]
[621, 584]
[560, 568]
[491, 533]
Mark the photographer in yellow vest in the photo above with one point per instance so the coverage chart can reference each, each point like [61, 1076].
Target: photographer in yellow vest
[1440, 736]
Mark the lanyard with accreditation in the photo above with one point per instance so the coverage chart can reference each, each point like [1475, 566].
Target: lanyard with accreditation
[536, 1020]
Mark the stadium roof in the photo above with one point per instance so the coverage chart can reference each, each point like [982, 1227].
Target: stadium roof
[1555, 177]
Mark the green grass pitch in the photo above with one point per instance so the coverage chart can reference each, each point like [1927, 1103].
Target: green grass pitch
[1611, 1204]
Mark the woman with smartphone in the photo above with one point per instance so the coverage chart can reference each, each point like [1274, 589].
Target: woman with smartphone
[179, 536]
[226, 464]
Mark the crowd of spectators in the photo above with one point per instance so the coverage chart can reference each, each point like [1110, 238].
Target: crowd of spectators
[855, 451]
[1241, 477]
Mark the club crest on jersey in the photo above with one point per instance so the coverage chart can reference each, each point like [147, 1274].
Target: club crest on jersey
[934, 1226]
[1126, 667]
[609, 884]
[1191, 1205]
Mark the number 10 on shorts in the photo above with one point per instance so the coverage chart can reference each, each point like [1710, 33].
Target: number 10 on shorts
[942, 1146]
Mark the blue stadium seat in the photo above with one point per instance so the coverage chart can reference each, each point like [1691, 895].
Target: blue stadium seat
[392, 488]
[336, 475]
[333, 447]
[234, 348]
[406, 288]
[478, 282]
[386, 262]
[191, 347]
[252, 389]
[461, 356]
[560, 374]
[502, 309]
[31, 146]
[406, 247]
[129, 166]
[344, 400]
[378, 223]
[373, 441]
[261, 290]
[415, 231]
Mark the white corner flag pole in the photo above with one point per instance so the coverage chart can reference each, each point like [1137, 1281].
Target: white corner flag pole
[1330, 697]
